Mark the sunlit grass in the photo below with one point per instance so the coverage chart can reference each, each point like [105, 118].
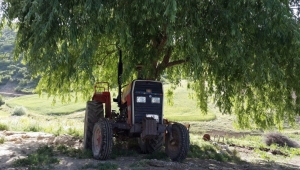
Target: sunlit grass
[4, 113]
[53, 125]
[185, 108]
[207, 150]
[43, 105]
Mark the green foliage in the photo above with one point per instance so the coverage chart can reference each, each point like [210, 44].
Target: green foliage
[74, 132]
[2, 140]
[242, 54]
[42, 156]
[13, 71]
[19, 111]
[3, 126]
[32, 128]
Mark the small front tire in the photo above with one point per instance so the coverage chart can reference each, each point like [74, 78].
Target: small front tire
[102, 140]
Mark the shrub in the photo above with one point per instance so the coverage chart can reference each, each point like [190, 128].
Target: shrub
[19, 111]
[280, 139]
[3, 127]
[1, 100]
[2, 140]
[32, 128]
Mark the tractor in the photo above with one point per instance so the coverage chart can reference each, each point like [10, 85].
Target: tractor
[140, 116]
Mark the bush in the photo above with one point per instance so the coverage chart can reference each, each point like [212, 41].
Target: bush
[2, 140]
[3, 127]
[280, 139]
[1, 100]
[19, 111]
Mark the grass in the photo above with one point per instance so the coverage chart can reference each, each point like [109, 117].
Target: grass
[260, 147]
[41, 157]
[50, 124]
[4, 113]
[3, 126]
[75, 153]
[184, 108]
[139, 164]
[125, 148]
[2, 140]
[206, 150]
[44, 106]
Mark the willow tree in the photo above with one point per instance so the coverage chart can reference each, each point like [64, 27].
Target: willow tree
[242, 54]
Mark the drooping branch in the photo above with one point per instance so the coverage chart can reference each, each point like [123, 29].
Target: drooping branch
[173, 63]
[167, 57]
[108, 53]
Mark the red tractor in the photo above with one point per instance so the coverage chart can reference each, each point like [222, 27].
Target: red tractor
[140, 116]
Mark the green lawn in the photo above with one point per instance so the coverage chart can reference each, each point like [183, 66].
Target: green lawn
[44, 106]
[185, 108]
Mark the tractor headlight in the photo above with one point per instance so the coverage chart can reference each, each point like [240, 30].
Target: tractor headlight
[155, 100]
[141, 99]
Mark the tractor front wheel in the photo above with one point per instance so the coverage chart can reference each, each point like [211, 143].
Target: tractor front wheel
[177, 142]
[102, 140]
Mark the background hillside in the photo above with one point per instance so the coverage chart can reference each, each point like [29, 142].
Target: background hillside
[14, 76]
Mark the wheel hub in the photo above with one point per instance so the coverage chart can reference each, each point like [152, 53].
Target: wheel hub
[98, 140]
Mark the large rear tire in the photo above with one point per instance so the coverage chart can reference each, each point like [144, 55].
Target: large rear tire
[151, 145]
[177, 147]
[93, 112]
[102, 140]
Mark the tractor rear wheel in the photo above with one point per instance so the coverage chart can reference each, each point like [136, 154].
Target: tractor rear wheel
[178, 145]
[151, 145]
[93, 112]
[102, 140]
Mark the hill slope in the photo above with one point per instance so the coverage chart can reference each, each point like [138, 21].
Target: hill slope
[14, 76]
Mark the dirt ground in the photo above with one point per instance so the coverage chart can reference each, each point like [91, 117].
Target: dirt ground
[19, 144]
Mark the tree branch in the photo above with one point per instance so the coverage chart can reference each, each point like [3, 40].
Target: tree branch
[167, 57]
[173, 63]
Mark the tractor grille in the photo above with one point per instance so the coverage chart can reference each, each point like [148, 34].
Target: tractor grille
[147, 89]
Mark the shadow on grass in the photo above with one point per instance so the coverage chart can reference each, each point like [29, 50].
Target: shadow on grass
[41, 157]
[209, 154]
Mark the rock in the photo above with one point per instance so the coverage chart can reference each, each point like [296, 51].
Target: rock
[280, 139]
